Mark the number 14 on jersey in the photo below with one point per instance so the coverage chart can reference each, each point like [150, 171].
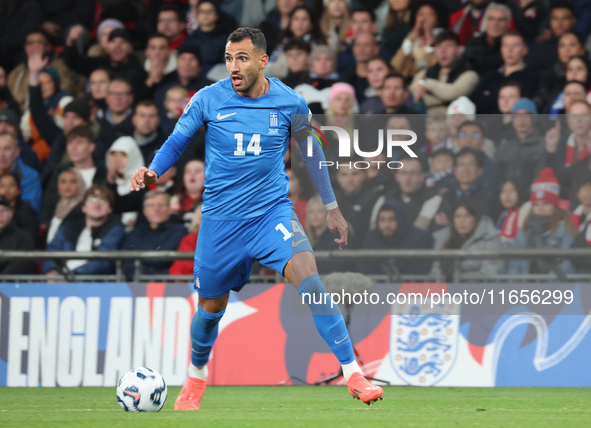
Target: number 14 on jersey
[253, 147]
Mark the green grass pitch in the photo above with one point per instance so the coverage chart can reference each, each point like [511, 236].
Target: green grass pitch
[306, 406]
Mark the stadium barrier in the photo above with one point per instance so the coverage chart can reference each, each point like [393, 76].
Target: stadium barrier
[386, 257]
[84, 334]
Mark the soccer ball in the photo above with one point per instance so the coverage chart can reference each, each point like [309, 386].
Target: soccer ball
[141, 390]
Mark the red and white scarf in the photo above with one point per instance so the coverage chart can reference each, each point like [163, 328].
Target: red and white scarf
[571, 149]
[510, 226]
[579, 219]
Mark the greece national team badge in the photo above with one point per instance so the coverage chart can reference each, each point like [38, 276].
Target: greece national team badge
[273, 122]
[424, 341]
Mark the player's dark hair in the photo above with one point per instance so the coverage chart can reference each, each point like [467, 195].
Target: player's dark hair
[421, 158]
[297, 44]
[446, 35]
[254, 34]
[365, 9]
[472, 123]
[82, 132]
[478, 155]
[171, 7]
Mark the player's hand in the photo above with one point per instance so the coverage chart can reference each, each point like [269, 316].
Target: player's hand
[143, 177]
[336, 222]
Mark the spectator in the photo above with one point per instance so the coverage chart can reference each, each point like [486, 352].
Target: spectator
[71, 189]
[546, 226]
[118, 117]
[508, 223]
[363, 20]
[320, 236]
[469, 20]
[322, 76]
[482, 52]
[447, 80]
[552, 80]
[441, 170]
[188, 244]
[54, 102]
[99, 81]
[513, 50]
[419, 202]
[364, 49]
[119, 60]
[6, 99]
[171, 23]
[37, 45]
[379, 180]
[9, 123]
[10, 162]
[578, 69]
[18, 19]
[160, 62]
[175, 101]
[468, 169]
[435, 133]
[355, 202]
[471, 134]
[530, 17]
[582, 214]
[80, 148]
[302, 25]
[377, 70]
[158, 233]
[458, 112]
[501, 126]
[188, 75]
[522, 157]
[190, 192]
[146, 124]
[277, 20]
[394, 231]
[416, 52]
[394, 94]
[25, 217]
[297, 55]
[544, 54]
[570, 146]
[103, 32]
[95, 230]
[124, 158]
[13, 238]
[397, 24]
[470, 230]
[336, 22]
[210, 36]
[58, 16]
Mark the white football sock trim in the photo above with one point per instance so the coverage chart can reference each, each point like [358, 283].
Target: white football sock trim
[199, 373]
[349, 369]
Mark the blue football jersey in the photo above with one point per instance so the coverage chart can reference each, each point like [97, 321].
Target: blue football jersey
[245, 144]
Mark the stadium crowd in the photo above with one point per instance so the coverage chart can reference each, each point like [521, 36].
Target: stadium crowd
[498, 93]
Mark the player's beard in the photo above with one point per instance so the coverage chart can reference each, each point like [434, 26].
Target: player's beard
[245, 79]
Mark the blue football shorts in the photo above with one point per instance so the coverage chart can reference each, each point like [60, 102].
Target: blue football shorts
[226, 249]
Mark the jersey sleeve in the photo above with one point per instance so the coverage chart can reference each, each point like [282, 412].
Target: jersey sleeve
[319, 175]
[190, 122]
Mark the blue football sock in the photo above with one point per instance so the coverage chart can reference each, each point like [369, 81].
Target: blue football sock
[329, 320]
[204, 331]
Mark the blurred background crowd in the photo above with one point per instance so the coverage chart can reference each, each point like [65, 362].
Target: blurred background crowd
[497, 92]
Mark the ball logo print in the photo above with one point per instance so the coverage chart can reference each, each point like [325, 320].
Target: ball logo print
[141, 390]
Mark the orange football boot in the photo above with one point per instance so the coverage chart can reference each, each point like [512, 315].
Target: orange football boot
[360, 388]
[190, 396]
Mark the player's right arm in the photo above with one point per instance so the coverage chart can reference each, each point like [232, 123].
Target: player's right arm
[189, 123]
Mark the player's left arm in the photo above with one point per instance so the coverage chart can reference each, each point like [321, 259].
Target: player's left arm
[335, 220]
